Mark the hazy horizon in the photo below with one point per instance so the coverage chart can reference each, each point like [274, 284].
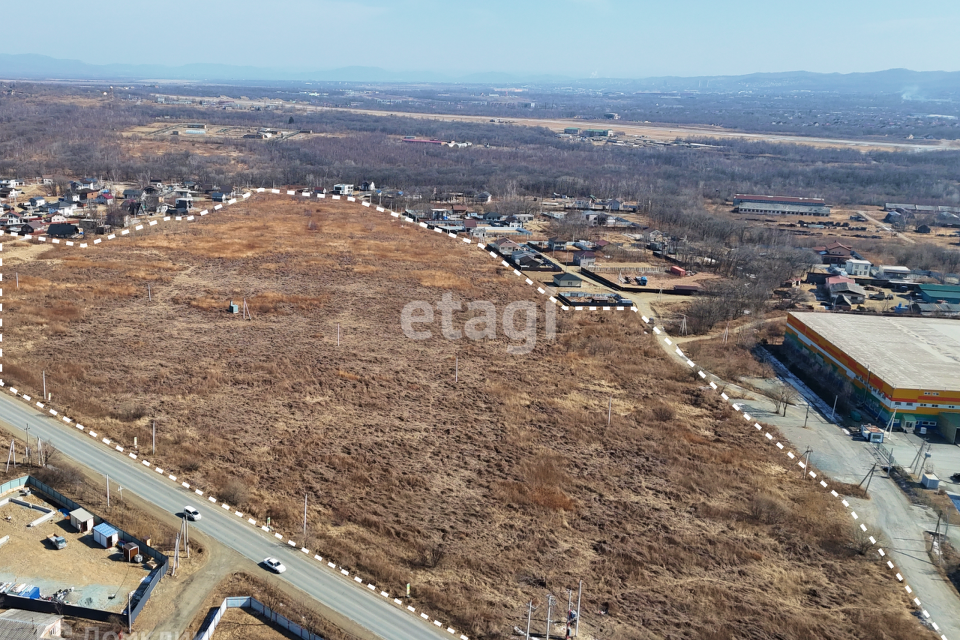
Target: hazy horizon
[569, 38]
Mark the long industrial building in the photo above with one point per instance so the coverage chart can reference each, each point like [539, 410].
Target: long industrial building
[781, 205]
[907, 368]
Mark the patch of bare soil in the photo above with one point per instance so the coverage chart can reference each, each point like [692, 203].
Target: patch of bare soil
[483, 493]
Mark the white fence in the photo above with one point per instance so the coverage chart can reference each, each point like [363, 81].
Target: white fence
[254, 606]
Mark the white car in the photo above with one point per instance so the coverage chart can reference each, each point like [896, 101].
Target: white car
[274, 565]
[191, 513]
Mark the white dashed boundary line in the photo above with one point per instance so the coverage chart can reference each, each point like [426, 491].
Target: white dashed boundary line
[658, 334]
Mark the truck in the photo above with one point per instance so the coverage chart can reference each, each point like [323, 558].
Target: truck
[58, 542]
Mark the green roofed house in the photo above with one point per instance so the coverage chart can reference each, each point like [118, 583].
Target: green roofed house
[940, 293]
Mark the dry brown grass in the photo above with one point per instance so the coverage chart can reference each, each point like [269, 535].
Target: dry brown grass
[482, 494]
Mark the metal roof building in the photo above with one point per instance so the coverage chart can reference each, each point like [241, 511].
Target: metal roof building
[908, 365]
[27, 625]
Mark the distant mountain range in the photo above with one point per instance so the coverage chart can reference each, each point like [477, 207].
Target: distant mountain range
[920, 85]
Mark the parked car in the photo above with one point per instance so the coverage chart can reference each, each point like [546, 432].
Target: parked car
[191, 513]
[274, 565]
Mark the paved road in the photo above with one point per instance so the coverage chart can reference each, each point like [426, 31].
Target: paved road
[357, 603]
[888, 510]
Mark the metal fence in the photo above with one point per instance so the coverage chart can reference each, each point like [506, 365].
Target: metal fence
[139, 598]
[253, 606]
[884, 454]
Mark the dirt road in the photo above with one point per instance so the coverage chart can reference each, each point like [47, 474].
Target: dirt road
[884, 227]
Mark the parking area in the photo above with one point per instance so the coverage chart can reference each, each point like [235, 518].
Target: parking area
[99, 578]
[944, 457]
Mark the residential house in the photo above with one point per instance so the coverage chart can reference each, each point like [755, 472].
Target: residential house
[33, 227]
[567, 280]
[104, 198]
[858, 268]
[132, 194]
[850, 290]
[64, 207]
[92, 184]
[483, 197]
[11, 182]
[584, 258]
[217, 196]
[836, 253]
[10, 218]
[37, 202]
[504, 246]
[493, 216]
[10, 192]
[343, 189]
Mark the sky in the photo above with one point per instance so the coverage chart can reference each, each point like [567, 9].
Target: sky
[574, 38]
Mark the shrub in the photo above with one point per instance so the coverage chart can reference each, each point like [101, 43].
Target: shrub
[663, 413]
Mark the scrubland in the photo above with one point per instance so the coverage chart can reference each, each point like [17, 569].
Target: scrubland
[484, 493]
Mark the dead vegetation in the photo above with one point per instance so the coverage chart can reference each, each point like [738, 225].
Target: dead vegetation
[482, 494]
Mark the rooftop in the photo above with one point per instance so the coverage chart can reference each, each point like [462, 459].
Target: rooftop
[790, 199]
[939, 288]
[906, 353]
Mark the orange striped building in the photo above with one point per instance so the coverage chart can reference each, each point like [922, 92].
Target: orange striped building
[908, 368]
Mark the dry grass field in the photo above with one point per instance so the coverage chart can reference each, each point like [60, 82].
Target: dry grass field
[482, 494]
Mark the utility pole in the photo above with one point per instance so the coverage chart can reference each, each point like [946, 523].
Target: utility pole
[579, 594]
[833, 413]
[338, 334]
[149, 293]
[549, 610]
[304, 519]
[44, 374]
[456, 370]
[806, 416]
[806, 462]
[867, 478]
[108, 492]
[529, 616]
[609, 410]
[154, 437]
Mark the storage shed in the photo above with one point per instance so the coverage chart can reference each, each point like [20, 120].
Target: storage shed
[81, 520]
[105, 535]
[130, 551]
